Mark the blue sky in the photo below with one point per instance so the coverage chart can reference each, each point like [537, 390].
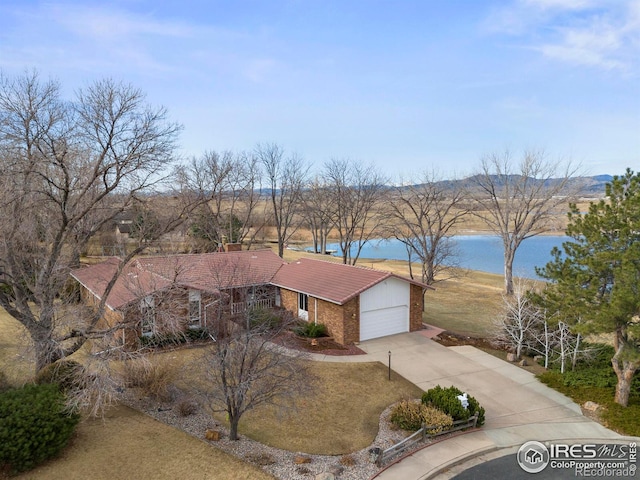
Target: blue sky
[406, 85]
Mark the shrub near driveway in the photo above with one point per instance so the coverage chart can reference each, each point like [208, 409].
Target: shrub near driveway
[413, 415]
[446, 400]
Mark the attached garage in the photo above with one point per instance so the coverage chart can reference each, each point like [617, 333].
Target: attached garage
[384, 309]
[354, 303]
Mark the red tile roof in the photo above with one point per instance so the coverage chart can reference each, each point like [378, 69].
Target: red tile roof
[207, 272]
[334, 282]
[211, 272]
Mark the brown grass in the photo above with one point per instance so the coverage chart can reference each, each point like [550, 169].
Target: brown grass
[341, 417]
[128, 444]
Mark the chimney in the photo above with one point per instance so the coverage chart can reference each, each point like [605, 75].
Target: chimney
[233, 247]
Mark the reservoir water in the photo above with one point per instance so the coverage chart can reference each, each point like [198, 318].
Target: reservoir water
[477, 252]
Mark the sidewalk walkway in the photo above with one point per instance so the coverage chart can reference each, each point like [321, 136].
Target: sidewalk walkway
[518, 407]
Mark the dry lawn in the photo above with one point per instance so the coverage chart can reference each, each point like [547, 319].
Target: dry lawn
[341, 417]
[128, 444]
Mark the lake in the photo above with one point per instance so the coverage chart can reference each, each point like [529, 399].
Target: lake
[477, 252]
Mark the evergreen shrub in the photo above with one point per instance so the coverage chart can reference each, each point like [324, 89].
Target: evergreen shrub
[446, 400]
[35, 425]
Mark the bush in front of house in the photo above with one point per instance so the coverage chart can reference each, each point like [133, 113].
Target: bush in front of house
[187, 406]
[446, 400]
[152, 377]
[169, 339]
[264, 318]
[411, 415]
[34, 425]
[67, 374]
[311, 330]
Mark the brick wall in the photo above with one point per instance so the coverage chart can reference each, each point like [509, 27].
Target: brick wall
[351, 311]
[342, 321]
[289, 300]
[416, 306]
[332, 316]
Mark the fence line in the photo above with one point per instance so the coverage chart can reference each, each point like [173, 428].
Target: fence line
[422, 435]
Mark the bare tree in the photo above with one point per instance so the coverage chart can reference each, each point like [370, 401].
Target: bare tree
[68, 169]
[209, 173]
[242, 199]
[519, 200]
[245, 371]
[286, 178]
[425, 215]
[520, 321]
[319, 212]
[246, 368]
[358, 191]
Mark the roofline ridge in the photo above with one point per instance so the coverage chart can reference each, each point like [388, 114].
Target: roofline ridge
[362, 267]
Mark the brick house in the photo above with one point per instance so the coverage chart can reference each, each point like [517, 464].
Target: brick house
[173, 293]
[355, 303]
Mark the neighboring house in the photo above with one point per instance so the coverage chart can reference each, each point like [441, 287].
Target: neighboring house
[123, 224]
[172, 293]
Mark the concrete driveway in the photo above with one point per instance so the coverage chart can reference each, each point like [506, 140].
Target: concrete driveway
[518, 407]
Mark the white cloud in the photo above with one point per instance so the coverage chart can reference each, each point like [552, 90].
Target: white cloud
[597, 45]
[109, 24]
[594, 33]
[558, 4]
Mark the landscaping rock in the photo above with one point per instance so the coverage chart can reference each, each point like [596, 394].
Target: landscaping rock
[590, 406]
[300, 459]
[336, 470]
[511, 357]
[325, 476]
[537, 358]
[212, 435]
[523, 362]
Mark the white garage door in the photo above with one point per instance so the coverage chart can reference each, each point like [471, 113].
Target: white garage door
[383, 322]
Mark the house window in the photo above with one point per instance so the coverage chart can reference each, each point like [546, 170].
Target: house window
[148, 311]
[195, 306]
[303, 306]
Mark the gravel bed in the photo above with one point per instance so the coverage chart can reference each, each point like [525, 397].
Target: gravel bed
[279, 463]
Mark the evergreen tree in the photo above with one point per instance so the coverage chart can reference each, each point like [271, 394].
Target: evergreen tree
[596, 278]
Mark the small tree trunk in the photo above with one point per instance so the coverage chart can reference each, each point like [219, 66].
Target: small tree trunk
[233, 427]
[574, 360]
[509, 255]
[625, 372]
[625, 369]
[546, 345]
[562, 346]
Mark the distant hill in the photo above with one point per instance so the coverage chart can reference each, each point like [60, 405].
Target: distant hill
[593, 186]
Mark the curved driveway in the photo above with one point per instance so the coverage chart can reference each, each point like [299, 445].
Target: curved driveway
[518, 407]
